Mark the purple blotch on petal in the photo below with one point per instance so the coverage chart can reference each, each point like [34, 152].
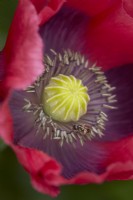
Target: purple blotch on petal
[120, 123]
[66, 30]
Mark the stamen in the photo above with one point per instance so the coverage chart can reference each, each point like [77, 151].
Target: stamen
[72, 99]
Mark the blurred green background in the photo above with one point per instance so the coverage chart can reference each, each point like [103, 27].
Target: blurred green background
[14, 181]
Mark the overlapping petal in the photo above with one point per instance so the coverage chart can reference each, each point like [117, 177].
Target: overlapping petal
[23, 50]
[44, 171]
[110, 37]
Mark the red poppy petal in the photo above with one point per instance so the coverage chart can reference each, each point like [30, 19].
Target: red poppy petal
[92, 7]
[49, 10]
[1, 65]
[121, 151]
[115, 171]
[39, 4]
[3, 89]
[110, 38]
[118, 164]
[44, 171]
[5, 123]
[23, 50]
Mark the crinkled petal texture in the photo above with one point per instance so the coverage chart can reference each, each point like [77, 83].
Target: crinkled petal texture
[109, 42]
[128, 6]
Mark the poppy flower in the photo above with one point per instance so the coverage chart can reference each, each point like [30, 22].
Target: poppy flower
[66, 91]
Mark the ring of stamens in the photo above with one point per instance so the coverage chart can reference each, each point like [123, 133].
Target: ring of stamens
[91, 124]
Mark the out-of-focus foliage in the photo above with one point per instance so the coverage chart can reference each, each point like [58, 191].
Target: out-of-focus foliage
[15, 183]
[2, 145]
[7, 8]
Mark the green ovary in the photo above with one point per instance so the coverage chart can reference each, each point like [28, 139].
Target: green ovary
[65, 98]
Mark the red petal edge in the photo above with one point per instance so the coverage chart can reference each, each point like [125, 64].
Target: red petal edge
[44, 171]
[23, 50]
[39, 4]
[50, 9]
[46, 9]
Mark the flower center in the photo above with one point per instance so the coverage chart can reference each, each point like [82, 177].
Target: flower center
[59, 102]
[65, 98]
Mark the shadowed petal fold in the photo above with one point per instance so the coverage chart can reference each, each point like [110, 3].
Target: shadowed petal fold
[92, 7]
